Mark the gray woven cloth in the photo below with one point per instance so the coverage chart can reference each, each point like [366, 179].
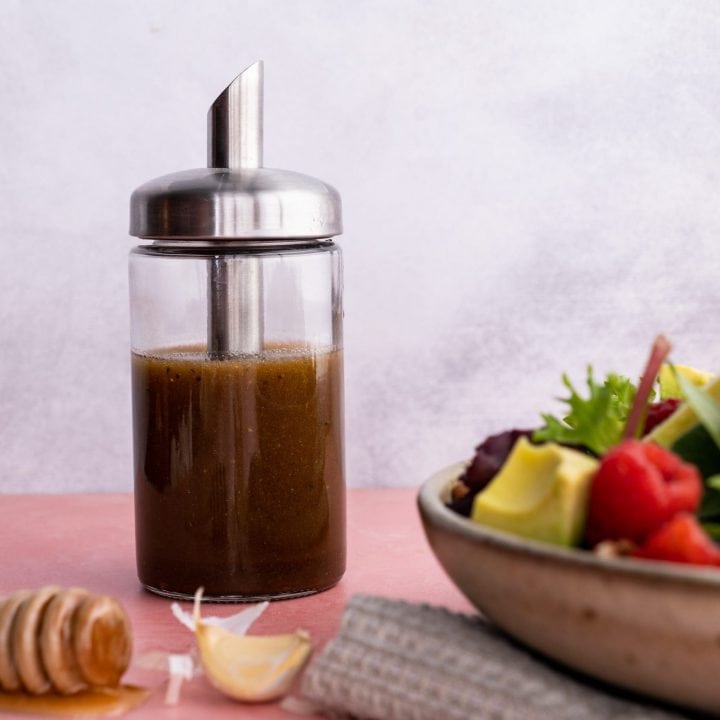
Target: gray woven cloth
[393, 660]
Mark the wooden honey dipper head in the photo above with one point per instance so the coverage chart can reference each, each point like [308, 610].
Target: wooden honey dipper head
[101, 640]
[62, 640]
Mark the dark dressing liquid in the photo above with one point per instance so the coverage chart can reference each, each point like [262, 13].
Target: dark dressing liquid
[239, 483]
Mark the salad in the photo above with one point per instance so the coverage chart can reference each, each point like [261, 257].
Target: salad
[627, 470]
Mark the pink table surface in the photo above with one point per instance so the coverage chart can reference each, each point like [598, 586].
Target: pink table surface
[87, 540]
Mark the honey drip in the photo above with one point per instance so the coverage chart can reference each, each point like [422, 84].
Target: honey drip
[95, 702]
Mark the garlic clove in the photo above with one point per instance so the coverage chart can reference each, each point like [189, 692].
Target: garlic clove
[250, 668]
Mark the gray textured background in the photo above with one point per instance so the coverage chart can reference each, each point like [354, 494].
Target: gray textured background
[528, 186]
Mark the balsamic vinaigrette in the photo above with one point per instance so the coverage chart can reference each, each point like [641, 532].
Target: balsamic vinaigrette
[239, 472]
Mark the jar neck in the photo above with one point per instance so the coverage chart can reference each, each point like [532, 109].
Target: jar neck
[211, 248]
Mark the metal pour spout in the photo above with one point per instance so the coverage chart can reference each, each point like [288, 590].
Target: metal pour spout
[235, 122]
[235, 141]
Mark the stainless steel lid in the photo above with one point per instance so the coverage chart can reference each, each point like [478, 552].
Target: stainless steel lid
[235, 197]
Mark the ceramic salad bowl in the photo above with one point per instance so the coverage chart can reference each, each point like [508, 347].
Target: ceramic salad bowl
[648, 626]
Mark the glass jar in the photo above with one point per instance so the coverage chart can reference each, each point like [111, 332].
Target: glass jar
[239, 481]
[237, 379]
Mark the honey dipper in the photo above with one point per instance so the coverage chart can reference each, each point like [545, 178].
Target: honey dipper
[62, 640]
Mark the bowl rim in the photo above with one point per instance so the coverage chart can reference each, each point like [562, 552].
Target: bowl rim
[433, 509]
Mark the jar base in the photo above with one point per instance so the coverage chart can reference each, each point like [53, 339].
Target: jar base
[237, 598]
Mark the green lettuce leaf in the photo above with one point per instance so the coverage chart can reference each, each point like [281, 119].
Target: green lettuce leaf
[595, 422]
